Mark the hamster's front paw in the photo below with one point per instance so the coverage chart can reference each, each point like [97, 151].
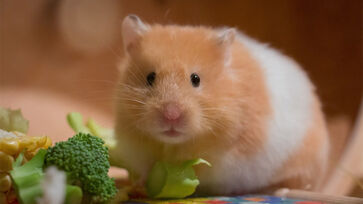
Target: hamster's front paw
[137, 188]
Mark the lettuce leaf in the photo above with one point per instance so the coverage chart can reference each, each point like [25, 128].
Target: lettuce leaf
[173, 180]
[13, 120]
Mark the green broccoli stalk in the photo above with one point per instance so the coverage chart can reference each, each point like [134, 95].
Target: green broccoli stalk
[74, 194]
[28, 179]
[75, 120]
[85, 160]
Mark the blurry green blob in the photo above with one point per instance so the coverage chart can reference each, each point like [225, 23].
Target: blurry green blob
[13, 120]
[173, 180]
[28, 180]
[75, 120]
[73, 195]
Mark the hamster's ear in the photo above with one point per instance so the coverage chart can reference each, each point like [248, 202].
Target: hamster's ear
[226, 36]
[225, 40]
[132, 31]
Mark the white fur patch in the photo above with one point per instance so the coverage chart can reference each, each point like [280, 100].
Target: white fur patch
[290, 93]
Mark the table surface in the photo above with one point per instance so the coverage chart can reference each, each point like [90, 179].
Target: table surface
[248, 199]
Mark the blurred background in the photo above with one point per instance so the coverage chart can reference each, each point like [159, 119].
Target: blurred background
[61, 56]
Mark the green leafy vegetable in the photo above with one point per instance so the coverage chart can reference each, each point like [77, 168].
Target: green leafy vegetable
[167, 180]
[75, 120]
[104, 133]
[74, 194]
[28, 178]
[85, 160]
[13, 120]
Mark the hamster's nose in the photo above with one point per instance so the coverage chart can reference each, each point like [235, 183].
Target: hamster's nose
[171, 113]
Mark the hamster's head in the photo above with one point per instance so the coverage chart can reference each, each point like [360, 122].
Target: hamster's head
[171, 79]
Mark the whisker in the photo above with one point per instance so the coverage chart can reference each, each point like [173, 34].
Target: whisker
[134, 100]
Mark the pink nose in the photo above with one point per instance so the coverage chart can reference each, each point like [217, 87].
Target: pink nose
[171, 112]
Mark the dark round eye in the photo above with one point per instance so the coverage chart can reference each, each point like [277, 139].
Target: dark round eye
[194, 78]
[151, 78]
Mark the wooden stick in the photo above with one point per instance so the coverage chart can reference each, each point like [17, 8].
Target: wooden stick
[307, 195]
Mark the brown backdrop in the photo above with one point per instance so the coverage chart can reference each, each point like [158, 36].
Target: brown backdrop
[59, 56]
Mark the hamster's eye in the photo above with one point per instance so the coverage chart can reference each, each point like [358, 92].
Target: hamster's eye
[194, 78]
[151, 78]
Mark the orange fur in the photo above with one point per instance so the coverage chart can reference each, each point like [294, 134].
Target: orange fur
[227, 113]
[176, 52]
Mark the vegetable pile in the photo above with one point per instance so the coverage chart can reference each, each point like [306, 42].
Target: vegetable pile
[85, 159]
[75, 171]
[28, 180]
[165, 180]
[14, 142]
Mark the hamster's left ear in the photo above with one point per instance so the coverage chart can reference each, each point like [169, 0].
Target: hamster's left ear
[132, 31]
[225, 39]
[226, 36]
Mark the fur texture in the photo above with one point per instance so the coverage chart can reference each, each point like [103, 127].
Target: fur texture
[254, 116]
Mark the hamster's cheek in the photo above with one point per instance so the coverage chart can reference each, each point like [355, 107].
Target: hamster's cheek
[148, 123]
[196, 122]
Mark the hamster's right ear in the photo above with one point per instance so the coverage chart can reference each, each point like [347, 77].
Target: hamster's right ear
[132, 31]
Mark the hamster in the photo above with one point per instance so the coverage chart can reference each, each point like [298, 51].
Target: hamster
[197, 92]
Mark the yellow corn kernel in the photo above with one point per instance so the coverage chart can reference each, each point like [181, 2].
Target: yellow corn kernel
[6, 162]
[9, 146]
[23, 143]
[48, 143]
[41, 141]
[5, 182]
[27, 143]
[14, 146]
[29, 154]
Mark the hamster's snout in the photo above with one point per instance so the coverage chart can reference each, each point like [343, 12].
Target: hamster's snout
[172, 113]
[171, 119]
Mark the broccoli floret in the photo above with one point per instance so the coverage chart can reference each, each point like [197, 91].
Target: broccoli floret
[75, 120]
[85, 160]
[28, 180]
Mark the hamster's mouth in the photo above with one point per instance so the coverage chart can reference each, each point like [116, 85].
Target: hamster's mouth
[172, 133]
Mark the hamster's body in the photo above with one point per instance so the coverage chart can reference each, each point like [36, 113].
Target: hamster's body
[254, 116]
